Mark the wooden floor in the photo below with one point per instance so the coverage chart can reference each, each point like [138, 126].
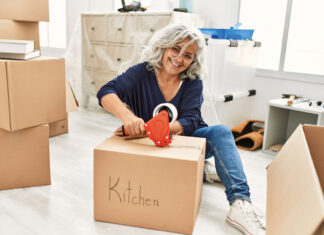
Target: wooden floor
[66, 206]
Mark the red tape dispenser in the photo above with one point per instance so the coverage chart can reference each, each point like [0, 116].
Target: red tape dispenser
[158, 127]
[158, 130]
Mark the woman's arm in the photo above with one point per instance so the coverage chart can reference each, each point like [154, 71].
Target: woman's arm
[112, 95]
[176, 128]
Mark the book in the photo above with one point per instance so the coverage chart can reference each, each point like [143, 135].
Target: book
[20, 56]
[16, 46]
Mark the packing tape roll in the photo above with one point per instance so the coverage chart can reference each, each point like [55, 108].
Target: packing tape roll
[170, 108]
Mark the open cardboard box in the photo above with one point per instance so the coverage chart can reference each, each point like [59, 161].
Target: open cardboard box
[24, 10]
[24, 158]
[139, 184]
[32, 92]
[295, 200]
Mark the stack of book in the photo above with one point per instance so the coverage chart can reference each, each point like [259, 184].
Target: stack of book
[18, 49]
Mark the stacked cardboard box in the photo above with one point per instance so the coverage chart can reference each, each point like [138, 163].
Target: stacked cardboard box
[33, 96]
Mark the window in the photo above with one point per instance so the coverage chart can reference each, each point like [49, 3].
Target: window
[305, 47]
[53, 33]
[291, 33]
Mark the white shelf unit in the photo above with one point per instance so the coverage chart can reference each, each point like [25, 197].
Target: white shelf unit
[283, 119]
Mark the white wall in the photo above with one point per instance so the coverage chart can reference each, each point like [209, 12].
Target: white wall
[272, 88]
[223, 14]
[76, 7]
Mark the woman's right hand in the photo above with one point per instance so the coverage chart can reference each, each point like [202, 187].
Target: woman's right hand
[134, 125]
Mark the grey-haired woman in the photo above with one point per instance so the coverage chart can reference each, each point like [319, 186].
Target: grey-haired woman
[172, 71]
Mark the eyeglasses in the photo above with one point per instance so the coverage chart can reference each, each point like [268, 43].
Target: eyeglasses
[187, 58]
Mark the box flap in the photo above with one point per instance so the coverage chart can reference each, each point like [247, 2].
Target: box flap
[71, 101]
[187, 148]
[295, 203]
[315, 140]
[37, 91]
[24, 10]
[19, 30]
[4, 99]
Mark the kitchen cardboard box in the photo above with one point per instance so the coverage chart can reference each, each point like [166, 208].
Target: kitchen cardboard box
[32, 92]
[20, 30]
[24, 10]
[295, 201]
[59, 127]
[139, 184]
[24, 158]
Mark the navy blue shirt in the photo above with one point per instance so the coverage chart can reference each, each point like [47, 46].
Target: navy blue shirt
[139, 89]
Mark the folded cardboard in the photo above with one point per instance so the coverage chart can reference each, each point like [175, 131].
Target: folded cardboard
[32, 92]
[24, 10]
[71, 101]
[24, 158]
[59, 127]
[295, 201]
[139, 184]
[20, 30]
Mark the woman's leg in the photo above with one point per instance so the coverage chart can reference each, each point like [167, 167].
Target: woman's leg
[220, 144]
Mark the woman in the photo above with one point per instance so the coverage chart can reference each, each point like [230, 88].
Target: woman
[172, 71]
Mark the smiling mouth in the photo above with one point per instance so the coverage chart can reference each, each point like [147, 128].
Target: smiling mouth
[174, 64]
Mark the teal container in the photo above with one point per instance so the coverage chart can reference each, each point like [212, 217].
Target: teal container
[186, 4]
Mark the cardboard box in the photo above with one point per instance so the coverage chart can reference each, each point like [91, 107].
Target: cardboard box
[59, 127]
[20, 30]
[24, 158]
[295, 201]
[139, 184]
[62, 127]
[32, 92]
[24, 10]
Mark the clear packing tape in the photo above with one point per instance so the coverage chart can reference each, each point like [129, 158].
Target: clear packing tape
[229, 92]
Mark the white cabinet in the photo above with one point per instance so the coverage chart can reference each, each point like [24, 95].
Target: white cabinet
[283, 120]
[113, 42]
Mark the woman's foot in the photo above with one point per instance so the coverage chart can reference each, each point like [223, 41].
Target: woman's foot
[245, 217]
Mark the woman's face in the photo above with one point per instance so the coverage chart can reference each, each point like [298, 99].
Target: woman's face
[175, 66]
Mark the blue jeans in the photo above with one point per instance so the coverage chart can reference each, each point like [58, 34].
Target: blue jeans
[220, 144]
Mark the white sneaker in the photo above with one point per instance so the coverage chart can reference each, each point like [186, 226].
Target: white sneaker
[211, 174]
[245, 217]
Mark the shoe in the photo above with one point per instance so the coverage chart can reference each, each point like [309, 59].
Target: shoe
[244, 128]
[245, 217]
[210, 172]
[250, 141]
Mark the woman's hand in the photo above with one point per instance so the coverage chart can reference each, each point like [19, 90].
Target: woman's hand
[119, 132]
[134, 127]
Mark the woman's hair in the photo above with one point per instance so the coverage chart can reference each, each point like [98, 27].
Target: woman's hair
[170, 36]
